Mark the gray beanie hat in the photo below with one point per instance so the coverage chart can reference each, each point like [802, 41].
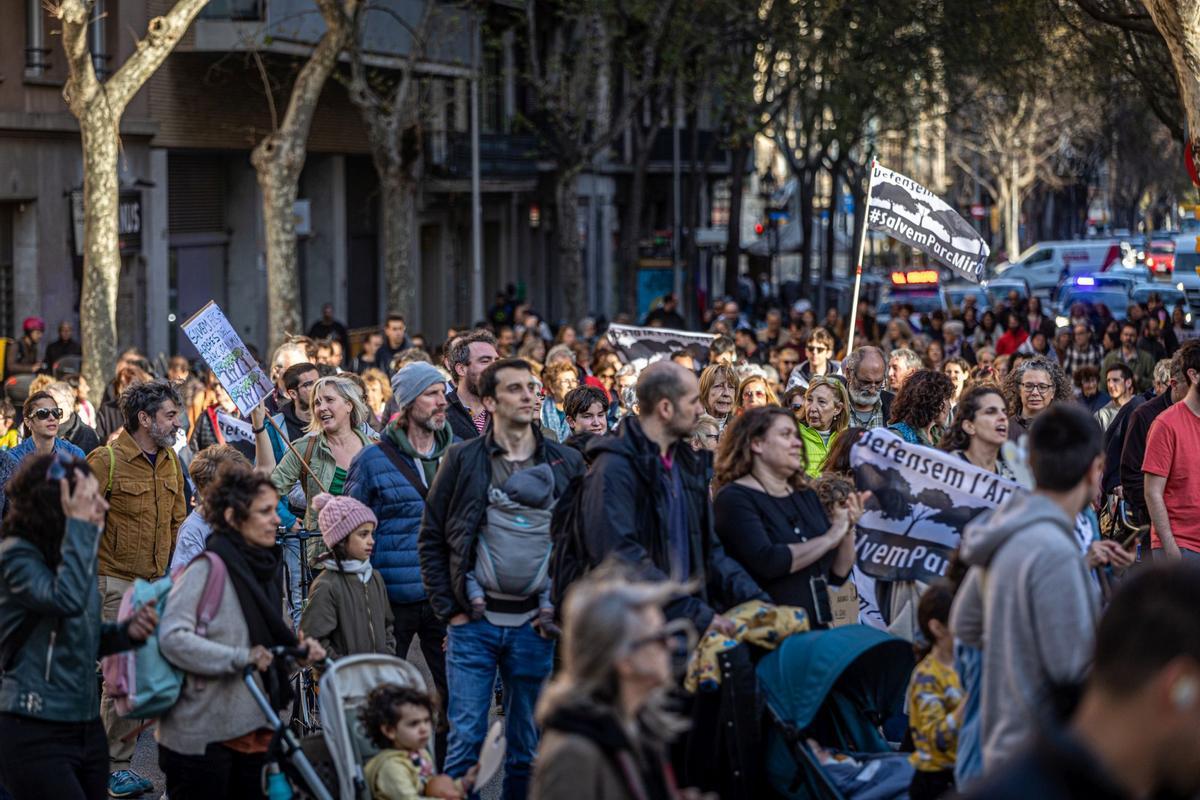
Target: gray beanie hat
[414, 378]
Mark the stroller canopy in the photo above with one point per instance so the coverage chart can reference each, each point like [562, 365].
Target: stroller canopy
[866, 664]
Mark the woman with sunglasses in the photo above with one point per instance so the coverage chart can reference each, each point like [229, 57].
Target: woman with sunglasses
[42, 416]
[769, 519]
[605, 715]
[52, 743]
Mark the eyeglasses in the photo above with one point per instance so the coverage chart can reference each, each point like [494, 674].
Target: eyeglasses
[44, 414]
[1037, 388]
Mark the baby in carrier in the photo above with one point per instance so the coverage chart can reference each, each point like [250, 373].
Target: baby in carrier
[511, 577]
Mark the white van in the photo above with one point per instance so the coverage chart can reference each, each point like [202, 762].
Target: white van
[1044, 264]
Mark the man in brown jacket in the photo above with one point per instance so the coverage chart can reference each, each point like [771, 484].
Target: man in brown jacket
[147, 503]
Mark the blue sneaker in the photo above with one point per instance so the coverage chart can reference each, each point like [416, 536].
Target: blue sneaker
[127, 783]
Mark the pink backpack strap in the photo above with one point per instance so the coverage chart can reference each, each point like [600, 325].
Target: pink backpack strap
[214, 587]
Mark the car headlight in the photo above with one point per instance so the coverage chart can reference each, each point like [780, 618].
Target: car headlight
[1061, 322]
[1187, 318]
[1179, 286]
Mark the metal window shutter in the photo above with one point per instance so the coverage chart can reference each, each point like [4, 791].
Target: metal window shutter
[196, 193]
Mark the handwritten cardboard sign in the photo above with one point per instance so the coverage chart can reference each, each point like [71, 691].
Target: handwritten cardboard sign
[226, 355]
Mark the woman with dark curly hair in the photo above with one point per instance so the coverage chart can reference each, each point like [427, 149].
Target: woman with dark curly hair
[52, 742]
[1029, 389]
[922, 404]
[771, 521]
[214, 740]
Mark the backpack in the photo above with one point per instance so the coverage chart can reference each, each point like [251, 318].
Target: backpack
[141, 682]
[568, 553]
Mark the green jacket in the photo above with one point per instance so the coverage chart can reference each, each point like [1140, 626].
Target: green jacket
[815, 449]
[53, 674]
[289, 471]
[1142, 366]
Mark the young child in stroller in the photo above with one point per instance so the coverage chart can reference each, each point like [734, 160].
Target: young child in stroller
[400, 721]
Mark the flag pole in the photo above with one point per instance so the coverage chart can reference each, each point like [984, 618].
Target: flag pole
[862, 241]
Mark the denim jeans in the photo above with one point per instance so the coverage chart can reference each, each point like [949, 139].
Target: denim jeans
[524, 659]
[291, 560]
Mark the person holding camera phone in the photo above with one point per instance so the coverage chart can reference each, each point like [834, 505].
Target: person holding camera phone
[772, 522]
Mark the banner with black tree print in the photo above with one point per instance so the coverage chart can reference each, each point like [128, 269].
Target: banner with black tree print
[907, 211]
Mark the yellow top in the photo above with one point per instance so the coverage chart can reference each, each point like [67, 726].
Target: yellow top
[933, 695]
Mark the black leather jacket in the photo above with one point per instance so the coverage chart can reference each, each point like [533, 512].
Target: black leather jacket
[53, 674]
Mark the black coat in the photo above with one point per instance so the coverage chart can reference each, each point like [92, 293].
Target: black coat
[460, 418]
[1134, 450]
[625, 511]
[456, 509]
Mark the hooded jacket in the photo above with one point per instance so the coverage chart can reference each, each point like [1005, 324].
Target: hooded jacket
[625, 516]
[374, 481]
[1030, 604]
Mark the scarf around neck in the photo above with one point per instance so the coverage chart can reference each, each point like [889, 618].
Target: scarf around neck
[257, 577]
[351, 566]
[428, 461]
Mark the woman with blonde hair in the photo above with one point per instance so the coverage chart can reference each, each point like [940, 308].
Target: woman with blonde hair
[334, 438]
[754, 391]
[772, 522]
[605, 718]
[826, 414]
[718, 390]
[378, 393]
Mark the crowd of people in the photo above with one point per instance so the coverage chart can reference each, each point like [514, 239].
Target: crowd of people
[520, 491]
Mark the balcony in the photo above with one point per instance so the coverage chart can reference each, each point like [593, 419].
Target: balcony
[501, 155]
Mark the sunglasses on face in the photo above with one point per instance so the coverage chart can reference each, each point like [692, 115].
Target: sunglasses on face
[44, 414]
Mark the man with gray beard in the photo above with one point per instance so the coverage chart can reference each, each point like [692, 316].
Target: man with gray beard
[865, 370]
[392, 478]
[144, 486]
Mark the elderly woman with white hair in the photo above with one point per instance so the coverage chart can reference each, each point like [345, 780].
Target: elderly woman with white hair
[606, 727]
[955, 344]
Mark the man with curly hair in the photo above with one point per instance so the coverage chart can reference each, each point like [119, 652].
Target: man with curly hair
[144, 485]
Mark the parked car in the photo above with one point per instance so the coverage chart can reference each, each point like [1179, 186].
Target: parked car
[1092, 297]
[960, 290]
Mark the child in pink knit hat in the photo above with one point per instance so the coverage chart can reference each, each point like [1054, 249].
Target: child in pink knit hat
[348, 610]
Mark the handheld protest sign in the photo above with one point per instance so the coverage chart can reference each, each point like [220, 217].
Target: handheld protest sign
[227, 356]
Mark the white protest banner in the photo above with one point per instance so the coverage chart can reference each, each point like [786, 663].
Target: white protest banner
[226, 355]
[907, 211]
[921, 500]
[234, 430]
[642, 346]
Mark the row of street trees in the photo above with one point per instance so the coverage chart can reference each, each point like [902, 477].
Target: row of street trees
[1036, 95]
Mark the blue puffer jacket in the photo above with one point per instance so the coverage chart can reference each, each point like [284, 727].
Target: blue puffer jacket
[374, 481]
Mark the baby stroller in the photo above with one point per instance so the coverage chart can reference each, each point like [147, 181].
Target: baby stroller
[836, 687]
[344, 688]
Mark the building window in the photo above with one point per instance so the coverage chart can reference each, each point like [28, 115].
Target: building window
[249, 10]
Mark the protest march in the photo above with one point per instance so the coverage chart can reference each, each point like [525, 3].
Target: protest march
[926, 528]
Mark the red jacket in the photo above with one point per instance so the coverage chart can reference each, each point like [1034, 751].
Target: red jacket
[1010, 341]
